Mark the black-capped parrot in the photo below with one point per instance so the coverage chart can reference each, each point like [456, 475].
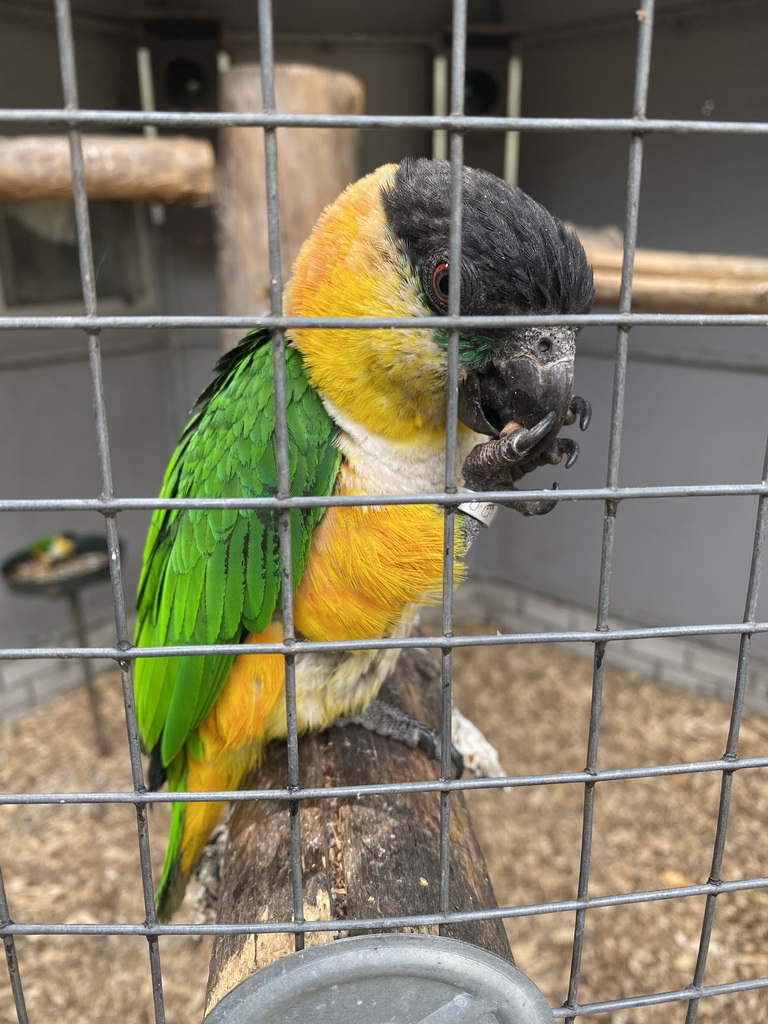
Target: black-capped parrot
[366, 414]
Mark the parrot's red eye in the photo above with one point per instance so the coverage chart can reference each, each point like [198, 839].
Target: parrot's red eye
[440, 283]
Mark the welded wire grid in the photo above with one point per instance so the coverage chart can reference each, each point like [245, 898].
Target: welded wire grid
[636, 127]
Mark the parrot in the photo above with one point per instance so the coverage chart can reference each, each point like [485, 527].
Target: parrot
[366, 415]
[53, 548]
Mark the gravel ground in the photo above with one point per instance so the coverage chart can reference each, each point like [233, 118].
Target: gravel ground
[80, 863]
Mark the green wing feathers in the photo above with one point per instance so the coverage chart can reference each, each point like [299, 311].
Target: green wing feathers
[210, 576]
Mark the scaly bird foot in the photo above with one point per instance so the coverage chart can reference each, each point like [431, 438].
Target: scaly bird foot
[387, 720]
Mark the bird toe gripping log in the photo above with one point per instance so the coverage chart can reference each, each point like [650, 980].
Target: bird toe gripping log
[366, 412]
[387, 719]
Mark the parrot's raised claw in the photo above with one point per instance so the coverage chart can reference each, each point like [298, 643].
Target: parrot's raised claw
[498, 464]
[487, 464]
[578, 409]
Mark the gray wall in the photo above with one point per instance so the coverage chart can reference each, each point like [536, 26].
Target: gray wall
[701, 420]
[151, 379]
[697, 399]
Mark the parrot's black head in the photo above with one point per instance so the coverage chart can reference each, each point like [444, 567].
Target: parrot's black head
[516, 259]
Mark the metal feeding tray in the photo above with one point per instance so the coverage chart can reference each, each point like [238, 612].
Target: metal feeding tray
[57, 565]
[386, 979]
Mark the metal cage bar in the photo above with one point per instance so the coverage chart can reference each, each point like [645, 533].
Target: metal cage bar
[68, 67]
[74, 119]
[555, 636]
[373, 323]
[403, 921]
[466, 123]
[634, 178]
[726, 785]
[12, 958]
[267, 60]
[456, 159]
[378, 789]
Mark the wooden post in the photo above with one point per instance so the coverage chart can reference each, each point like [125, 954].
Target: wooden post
[163, 170]
[315, 164]
[678, 282]
[365, 857]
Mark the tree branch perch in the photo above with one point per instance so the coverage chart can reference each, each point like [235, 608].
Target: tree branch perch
[364, 857]
[164, 170]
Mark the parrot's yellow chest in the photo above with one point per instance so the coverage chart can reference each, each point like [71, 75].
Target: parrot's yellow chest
[368, 569]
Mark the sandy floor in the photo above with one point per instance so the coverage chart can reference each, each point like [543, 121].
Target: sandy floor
[80, 864]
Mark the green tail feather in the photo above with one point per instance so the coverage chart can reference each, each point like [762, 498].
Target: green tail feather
[173, 882]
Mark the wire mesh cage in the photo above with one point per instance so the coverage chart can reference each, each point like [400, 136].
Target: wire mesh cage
[579, 909]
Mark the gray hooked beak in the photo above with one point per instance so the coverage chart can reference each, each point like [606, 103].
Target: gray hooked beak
[528, 383]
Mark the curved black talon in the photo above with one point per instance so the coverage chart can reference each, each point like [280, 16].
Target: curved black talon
[559, 448]
[570, 449]
[585, 414]
[522, 440]
[428, 740]
[578, 409]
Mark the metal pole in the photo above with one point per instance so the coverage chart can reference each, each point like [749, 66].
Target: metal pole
[78, 621]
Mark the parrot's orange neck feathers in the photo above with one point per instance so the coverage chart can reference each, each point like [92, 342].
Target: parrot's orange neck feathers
[390, 381]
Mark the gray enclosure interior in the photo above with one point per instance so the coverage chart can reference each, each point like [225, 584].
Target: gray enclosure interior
[695, 410]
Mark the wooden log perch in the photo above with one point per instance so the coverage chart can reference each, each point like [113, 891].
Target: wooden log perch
[366, 857]
[678, 282]
[163, 170]
[314, 166]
